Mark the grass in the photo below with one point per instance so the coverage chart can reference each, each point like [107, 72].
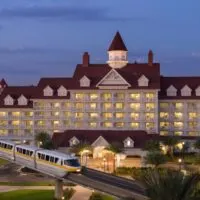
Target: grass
[37, 183]
[3, 162]
[34, 195]
[28, 194]
[100, 196]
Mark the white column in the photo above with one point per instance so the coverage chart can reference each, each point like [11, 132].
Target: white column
[58, 189]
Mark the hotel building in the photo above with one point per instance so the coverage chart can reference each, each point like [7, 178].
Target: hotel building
[116, 95]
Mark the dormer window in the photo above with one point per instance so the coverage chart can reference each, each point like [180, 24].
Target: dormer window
[22, 100]
[143, 81]
[186, 91]
[73, 141]
[197, 91]
[171, 91]
[48, 91]
[128, 143]
[8, 100]
[85, 81]
[62, 91]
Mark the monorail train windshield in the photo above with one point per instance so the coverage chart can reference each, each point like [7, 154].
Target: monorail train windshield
[72, 162]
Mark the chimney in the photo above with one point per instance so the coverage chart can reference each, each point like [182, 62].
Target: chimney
[150, 58]
[86, 59]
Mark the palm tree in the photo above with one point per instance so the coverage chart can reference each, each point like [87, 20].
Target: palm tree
[171, 185]
[155, 158]
[114, 148]
[171, 142]
[152, 145]
[43, 140]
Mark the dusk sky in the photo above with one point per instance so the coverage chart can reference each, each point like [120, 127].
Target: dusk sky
[47, 37]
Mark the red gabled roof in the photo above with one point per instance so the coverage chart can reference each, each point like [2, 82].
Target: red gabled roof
[15, 92]
[117, 43]
[179, 83]
[139, 137]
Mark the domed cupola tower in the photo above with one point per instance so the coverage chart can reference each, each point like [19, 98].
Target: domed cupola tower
[117, 53]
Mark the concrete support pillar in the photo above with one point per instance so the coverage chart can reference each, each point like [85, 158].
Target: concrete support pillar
[58, 189]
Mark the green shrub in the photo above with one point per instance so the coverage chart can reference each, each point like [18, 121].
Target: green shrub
[96, 196]
[68, 193]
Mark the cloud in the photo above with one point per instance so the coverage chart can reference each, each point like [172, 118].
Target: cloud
[66, 12]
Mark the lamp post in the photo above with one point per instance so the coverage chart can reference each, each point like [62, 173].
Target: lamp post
[104, 164]
[180, 162]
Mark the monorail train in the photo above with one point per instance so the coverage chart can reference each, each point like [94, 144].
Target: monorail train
[51, 162]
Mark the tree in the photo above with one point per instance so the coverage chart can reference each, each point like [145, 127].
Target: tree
[197, 144]
[43, 140]
[114, 148]
[155, 158]
[79, 148]
[171, 142]
[83, 149]
[171, 185]
[152, 145]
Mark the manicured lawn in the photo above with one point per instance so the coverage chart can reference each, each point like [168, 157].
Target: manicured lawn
[28, 195]
[100, 196]
[3, 162]
[37, 183]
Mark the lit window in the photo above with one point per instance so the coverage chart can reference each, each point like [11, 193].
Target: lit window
[134, 116]
[192, 125]
[150, 106]
[56, 122]
[119, 115]
[94, 115]
[79, 115]
[150, 96]
[16, 114]
[164, 105]
[67, 114]
[40, 123]
[107, 106]
[178, 115]
[2, 114]
[93, 96]
[149, 116]
[178, 124]
[119, 105]
[178, 105]
[3, 122]
[135, 96]
[192, 115]
[135, 106]
[3, 132]
[107, 124]
[149, 125]
[119, 124]
[79, 106]
[28, 114]
[56, 113]
[164, 124]
[134, 125]
[29, 123]
[79, 96]
[193, 133]
[178, 133]
[93, 106]
[16, 123]
[56, 105]
[128, 143]
[107, 96]
[93, 124]
[164, 133]
[78, 124]
[67, 105]
[107, 115]
[164, 115]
